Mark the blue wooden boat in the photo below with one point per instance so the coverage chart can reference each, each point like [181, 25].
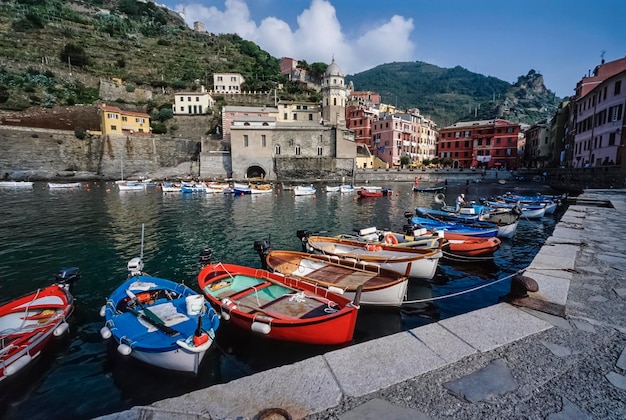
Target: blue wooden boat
[478, 229]
[158, 321]
[446, 215]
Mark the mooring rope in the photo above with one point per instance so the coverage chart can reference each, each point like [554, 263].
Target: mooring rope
[463, 292]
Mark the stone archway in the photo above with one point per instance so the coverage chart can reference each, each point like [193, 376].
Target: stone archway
[255, 172]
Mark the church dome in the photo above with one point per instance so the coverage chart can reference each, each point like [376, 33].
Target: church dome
[333, 70]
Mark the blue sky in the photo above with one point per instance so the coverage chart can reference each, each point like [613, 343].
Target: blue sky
[561, 39]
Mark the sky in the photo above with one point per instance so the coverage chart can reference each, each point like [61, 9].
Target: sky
[561, 39]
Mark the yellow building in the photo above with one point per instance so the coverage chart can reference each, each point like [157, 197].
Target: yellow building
[114, 121]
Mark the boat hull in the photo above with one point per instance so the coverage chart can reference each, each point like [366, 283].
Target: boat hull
[415, 263]
[278, 307]
[28, 325]
[167, 344]
[378, 288]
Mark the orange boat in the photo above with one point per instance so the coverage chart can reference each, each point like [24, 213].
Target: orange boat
[471, 246]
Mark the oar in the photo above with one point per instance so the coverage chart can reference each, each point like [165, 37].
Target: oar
[150, 316]
[161, 327]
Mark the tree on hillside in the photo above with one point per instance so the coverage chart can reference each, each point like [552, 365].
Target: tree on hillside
[74, 55]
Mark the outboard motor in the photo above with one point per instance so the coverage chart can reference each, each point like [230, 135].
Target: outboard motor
[67, 276]
[408, 229]
[304, 237]
[262, 248]
[205, 256]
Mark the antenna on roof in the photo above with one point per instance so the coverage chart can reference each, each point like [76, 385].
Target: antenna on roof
[602, 55]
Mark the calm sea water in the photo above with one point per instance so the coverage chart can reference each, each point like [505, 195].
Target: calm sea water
[98, 229]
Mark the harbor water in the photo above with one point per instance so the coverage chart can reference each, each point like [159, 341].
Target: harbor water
[98, 229]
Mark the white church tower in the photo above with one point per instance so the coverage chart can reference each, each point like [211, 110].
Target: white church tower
[334, 96]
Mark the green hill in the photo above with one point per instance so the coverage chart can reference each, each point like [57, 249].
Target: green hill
[457, 94]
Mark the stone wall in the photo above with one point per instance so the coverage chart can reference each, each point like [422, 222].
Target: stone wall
[51, 154]
[111, 91]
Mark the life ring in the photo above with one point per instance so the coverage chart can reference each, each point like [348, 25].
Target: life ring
[390, 239]
[440, 198]
[373, 248]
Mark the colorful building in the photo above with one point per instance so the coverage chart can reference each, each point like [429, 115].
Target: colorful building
[480, 144]
[227, 82]
[114, 121]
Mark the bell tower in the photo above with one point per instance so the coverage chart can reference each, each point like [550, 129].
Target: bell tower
[334, 96]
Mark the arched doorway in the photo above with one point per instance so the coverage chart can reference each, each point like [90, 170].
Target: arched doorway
[255, 172]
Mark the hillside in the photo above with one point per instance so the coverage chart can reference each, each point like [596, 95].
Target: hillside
[54, 53]
[456, 94]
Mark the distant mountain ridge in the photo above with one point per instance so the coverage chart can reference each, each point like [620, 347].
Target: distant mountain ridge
[449, 95]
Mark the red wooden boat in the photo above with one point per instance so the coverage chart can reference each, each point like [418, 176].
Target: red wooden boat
[374, 192]
[27, 324]
[280, 307]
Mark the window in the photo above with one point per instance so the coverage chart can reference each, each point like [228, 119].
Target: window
[457, 134]
[245, 140]
[263, 140]
[277, 149]
[124, 118]
[112, 116]
[334, 101]
[611, 139]
[200, 108]
[182, 109]
[188, 98]
[615, 113]
[197, 99]
[113, 127]
[298, 150]
[509, 129]
[291, 143]
[310, 117]
[320, 151]
[618, 88]
[285, 116]
[295, 116]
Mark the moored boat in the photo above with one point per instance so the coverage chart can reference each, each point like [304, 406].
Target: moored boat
[418, 263]
[158, 321]
[378, 287]
[16, 185]
[28, 324]
[277, 306]
[304, 190]
[66, 185]
[374, 192]
[479, 229]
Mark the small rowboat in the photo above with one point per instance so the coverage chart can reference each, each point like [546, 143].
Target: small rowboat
[158, 321]
[66, 185]
[418, 263]
[378, 287]
[28, 324]
[279, 307]
[304, 190]
[374, 192]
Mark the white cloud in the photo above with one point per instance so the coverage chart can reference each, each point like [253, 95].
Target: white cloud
[317, 37]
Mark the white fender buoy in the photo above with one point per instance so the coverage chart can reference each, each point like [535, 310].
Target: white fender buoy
[225, 315]
[105, 332]
[261, 327]
[16, 366]
[103, 311]
[440, 198]
[124, 349]
[61, 329]
[336, 290]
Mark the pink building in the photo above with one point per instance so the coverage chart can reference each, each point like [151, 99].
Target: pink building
[390, 134]
[598, 128]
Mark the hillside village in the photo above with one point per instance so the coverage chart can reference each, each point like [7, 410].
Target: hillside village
[339, 128]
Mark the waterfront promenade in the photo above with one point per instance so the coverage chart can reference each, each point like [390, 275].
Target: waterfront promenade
[566, 360]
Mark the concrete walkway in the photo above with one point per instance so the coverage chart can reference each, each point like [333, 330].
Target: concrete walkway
[504, 361]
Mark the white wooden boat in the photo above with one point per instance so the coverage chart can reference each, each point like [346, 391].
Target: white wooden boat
[170, 187]
[378, 287]
[131, 186]
[16, 185]
[55, 185]
[304, 190]
[418, 263]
